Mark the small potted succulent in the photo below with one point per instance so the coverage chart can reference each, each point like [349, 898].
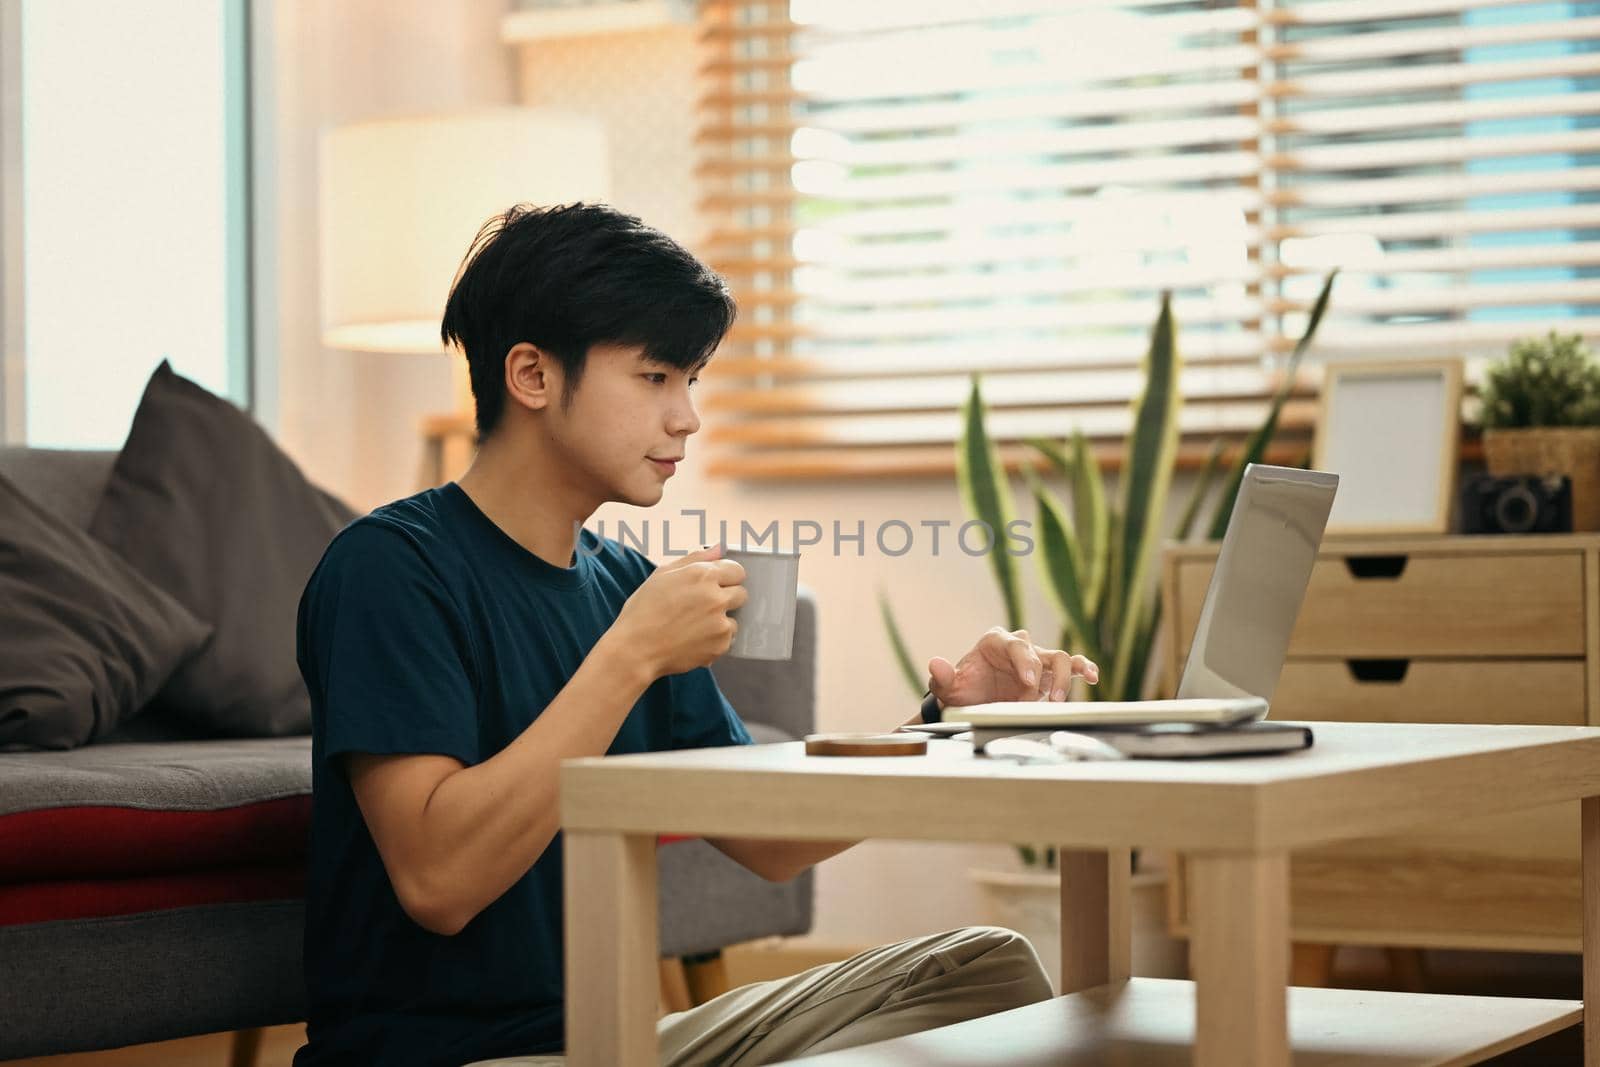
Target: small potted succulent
[1541, 415]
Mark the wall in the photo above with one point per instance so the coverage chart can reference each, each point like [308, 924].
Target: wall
[641, 85]
[350, 418]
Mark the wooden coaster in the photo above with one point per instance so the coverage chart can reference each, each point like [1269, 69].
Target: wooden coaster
[866, 745]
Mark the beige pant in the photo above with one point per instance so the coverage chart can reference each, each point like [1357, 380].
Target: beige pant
[881, 994]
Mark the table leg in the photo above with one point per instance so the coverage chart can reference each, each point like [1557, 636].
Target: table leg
[1240, 944]
[1096, 927]
[611, 946]
[1591, 932]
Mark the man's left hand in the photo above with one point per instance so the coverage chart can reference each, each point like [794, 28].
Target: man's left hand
[1007, 665]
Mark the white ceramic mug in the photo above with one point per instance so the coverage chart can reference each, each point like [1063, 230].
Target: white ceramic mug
[766, 620]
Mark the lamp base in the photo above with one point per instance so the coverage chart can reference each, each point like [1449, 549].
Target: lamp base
[449, 440]
[448, 445]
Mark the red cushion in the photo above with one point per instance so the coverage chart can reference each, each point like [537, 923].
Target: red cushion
[113, 842]
[84, 862]
[39, 902]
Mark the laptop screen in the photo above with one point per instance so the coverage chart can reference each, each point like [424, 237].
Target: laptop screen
[1260, 580]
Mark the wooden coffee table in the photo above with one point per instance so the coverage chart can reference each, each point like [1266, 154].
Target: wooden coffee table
[1236, 821]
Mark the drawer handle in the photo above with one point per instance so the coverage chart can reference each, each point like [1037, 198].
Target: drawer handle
[1388, 671]
[1376, 566]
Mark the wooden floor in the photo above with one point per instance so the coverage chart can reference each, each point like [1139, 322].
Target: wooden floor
[277, 1050]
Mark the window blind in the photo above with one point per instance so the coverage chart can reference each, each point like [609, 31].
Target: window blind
[904, 193]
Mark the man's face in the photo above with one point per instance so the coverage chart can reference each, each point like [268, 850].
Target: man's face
[626, 416]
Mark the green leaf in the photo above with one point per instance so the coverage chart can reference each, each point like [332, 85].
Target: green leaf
[1058, 561]
[1256, 445]
[1108, 612]
[1065, 463]
[914, 677]
[1152, 448]
[1552, 380]
[1143, 641]
[1090, 513]
[1197, 495]
[1051, 451]
[987, 496]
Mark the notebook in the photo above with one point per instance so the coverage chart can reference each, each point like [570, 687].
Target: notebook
[1180, 740]
[1036, 715]
[1246, 617]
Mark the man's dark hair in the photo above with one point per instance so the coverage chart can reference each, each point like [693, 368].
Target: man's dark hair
[568, 277]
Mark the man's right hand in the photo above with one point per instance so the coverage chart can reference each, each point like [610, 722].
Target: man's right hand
[677, 619]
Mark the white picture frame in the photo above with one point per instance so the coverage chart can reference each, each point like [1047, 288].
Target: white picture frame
[1391, 430]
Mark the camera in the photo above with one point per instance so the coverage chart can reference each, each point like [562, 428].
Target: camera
[1518, 504]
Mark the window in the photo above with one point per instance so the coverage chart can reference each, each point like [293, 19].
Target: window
[133, 210]
[902, 193]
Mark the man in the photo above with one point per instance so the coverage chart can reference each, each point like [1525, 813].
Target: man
[462, 642]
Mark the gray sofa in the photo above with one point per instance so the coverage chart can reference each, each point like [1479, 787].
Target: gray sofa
[107, 980]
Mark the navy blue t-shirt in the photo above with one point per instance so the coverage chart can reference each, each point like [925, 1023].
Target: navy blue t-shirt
[427, 629]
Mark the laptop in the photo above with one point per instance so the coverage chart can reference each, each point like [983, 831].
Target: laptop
[1246, 618]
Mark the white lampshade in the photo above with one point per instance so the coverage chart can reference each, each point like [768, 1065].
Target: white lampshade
[402, 198]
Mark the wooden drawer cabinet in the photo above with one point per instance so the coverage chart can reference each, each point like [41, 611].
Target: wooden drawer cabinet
[1486, 689]
[1379, 603]
[1446, 629]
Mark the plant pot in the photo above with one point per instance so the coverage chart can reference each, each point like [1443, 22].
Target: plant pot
[1029, 902]
[1570, 450]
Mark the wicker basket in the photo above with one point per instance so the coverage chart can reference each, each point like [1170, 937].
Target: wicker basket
[1573, 451]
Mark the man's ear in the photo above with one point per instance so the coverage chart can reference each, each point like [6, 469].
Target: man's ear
[533, 379]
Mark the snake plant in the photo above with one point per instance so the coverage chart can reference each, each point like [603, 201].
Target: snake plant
[1095, 558]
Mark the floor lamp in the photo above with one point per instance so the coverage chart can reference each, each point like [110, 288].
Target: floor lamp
[400, 202]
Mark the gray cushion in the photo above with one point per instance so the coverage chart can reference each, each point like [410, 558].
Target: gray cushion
[67, 482]
[175, 776]
[205, 505]
[709, 902]
[87, 640]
